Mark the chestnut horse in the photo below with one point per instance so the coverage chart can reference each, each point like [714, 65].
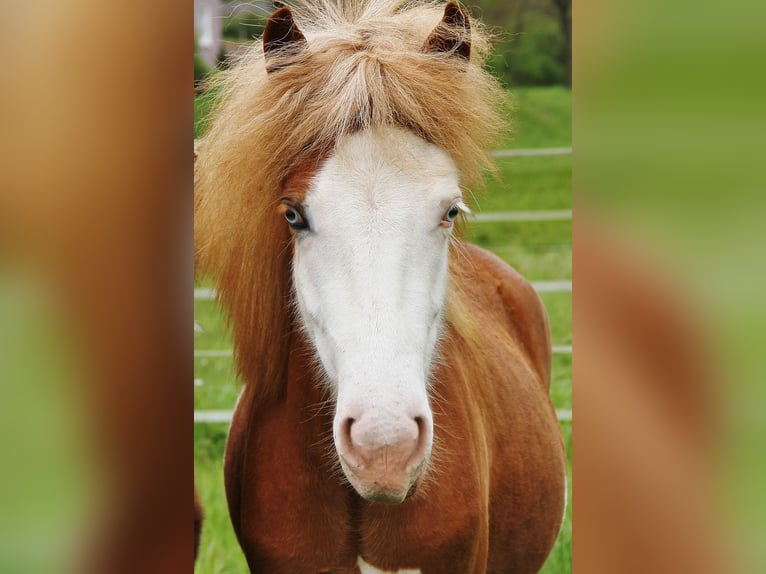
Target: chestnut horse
[395, 415]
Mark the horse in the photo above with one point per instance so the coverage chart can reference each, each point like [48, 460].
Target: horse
[395, 413]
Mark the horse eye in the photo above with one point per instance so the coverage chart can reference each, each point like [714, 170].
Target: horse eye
[294, 217]
[452, 214]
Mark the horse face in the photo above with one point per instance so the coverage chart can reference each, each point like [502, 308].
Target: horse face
[370, 270]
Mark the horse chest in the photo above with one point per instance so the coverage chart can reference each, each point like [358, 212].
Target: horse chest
[299, 516]
[293, 519]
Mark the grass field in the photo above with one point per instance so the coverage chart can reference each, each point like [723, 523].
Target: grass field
[539, 250]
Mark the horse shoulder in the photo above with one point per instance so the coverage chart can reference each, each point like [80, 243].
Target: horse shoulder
[495, 285]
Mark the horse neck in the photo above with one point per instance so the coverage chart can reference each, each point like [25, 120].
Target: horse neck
[301, 398]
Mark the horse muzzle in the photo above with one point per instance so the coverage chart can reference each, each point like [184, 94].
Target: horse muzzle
[383, 461]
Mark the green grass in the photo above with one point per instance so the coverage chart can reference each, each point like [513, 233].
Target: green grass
[527, 183]
[219, 551]
[560, 559]
[539, 250]
[540, 117]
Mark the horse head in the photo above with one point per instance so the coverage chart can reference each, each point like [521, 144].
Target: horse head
[371, 225]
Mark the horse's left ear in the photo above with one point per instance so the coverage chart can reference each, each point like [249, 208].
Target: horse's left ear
[281, 35]
[452, 34]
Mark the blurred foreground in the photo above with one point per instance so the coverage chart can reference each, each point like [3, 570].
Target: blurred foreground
[96, 332]
[96, 327]
[669, 287]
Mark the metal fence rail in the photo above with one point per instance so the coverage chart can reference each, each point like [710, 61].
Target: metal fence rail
[523, 216]
[532, 152]
[559, 286]
[224, 416]
[223, 353]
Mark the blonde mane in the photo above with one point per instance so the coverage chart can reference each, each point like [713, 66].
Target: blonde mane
[364, 66]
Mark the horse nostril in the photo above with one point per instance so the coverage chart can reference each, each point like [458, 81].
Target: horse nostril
[421, 443]
[345, 434]
[350, 451]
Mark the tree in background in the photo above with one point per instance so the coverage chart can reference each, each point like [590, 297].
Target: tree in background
[565, 20]
[534, 44]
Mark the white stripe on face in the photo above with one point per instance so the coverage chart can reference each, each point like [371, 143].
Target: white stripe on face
[371, 274]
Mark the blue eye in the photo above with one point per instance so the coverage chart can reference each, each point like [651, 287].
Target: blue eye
[452, 214]
[294, 216]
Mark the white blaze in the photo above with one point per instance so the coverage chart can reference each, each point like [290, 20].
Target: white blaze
[371, 273]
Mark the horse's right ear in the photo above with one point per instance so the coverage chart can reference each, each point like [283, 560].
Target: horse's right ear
[453, 33]
[281, 36]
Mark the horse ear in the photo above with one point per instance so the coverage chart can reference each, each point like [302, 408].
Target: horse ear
[281, 35]
[452, 34]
